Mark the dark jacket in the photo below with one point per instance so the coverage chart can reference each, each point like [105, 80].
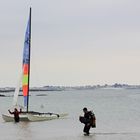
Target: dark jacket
[90, 118]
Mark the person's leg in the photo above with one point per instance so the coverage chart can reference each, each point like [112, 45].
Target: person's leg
[86, 129]
[17, 119]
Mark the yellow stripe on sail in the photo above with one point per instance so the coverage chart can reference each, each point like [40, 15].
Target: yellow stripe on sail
[25, 80]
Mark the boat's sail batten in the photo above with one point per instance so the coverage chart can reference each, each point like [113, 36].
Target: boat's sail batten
[26, 63]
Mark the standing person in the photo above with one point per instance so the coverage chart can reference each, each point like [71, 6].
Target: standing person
[88, 120]
[16, 114]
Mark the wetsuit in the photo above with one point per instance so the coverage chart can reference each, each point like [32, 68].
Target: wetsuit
[88, 122]
[16, 115]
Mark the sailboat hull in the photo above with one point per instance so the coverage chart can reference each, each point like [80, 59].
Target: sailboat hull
[10, 118]
[33, 117]
[43, 117]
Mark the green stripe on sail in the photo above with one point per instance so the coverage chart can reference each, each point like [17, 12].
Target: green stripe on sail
[25, 80]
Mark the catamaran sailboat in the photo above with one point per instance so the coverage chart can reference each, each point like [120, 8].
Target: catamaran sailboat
[28, 115]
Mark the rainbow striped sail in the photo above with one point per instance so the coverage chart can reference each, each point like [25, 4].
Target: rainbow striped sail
[26, 62]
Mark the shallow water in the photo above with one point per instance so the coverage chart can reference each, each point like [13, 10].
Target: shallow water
[117, 112]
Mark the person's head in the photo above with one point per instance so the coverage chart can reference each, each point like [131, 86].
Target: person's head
[15, 109]
[85, 110]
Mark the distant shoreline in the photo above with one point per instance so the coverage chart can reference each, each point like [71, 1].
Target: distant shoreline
[63, 88]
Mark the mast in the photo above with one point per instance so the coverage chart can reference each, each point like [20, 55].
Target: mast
[29, 60]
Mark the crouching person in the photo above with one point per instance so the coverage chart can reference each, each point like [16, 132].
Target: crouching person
[88, 119]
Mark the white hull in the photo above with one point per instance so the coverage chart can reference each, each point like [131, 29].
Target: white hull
[10, 118]
[44, 117]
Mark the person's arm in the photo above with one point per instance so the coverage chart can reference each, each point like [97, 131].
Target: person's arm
[11, 112]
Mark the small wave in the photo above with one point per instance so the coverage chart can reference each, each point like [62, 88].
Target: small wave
[116, 133]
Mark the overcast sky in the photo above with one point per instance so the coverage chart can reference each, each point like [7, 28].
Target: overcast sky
[74, 42]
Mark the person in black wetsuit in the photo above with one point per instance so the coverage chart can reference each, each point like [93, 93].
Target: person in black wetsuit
[16, 114]
[88, 120]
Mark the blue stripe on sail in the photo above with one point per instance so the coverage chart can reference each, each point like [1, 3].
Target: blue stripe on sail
[26, 44]
[25, 100]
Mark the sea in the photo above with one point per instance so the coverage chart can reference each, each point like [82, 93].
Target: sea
[117, 114]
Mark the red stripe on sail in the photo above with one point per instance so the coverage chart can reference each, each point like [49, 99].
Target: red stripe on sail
[25, 90]
[25, 68]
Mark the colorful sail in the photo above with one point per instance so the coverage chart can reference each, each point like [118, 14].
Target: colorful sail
[26, 63]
